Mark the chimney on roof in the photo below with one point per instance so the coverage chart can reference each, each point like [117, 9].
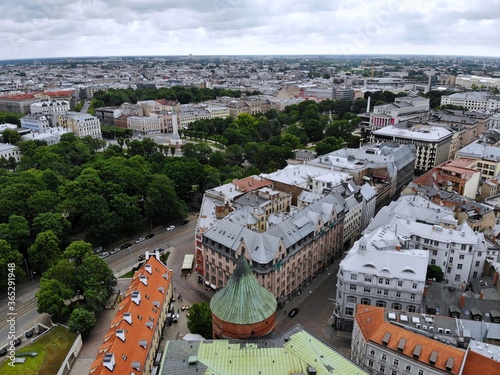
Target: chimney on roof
[461, 302]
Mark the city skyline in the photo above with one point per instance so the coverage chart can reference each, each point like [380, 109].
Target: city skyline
[63, 28]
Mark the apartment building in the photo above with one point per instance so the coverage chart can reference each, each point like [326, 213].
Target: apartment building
[386, 341]
[453, 176]
[387, 167]
[83, 124]
[20, 103]
[469, 80]
[432, 144]
[8, 151]
[403, 109]
[285, 258]
[49, 107]
[131, 344]
[37, 123]
[486, 155]
[379, 270]
[455, 248]
[146, 125]
[89, 91]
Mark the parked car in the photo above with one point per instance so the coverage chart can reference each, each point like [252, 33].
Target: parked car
[16, 342]
[141, 257]
[3, 351]
[97, 250]
[139, 240]
[159, 249]
[175, 317]
[293, 312]
[172, 227]
[104, 255]
[125, 246]
[150, 235]
[115, 250]
[184, 222]
[28, 333]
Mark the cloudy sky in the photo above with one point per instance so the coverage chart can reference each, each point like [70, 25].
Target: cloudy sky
[54, 28]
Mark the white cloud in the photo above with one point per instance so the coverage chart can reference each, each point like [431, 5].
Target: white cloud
[40, 28]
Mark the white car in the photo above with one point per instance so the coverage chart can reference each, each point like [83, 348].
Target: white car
[115, 250]
[139, 240]
[104, 255]
[172, 227]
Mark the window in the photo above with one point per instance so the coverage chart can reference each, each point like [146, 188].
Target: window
[412, 296]
[396, 306]
[474, 275]
[366, 290]
[400, 284]
[370, 363]
[383, 357]
[387, 281]
[433, 261]
[477, 263]
[408, 367]
[394, 372]
[479, 253]
[396, 362]
[414, 286]
[380, 303]
[386, 292]
[354, 276]
[420, 372]
[352, 287]
[368, 279]
[351, 299]
[382, 369]
[349, 311]
[457, 277]
[434, 252]
[411, 308]
[459, 266]
[451, 259]
[365, 301]
[398, 294]
[372, 352]
[461, 257]
[380, 281]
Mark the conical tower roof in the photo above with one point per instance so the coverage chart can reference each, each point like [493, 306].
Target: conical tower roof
[243, 300]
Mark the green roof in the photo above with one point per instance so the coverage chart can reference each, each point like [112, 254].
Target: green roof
[294, 352]
[243, 300]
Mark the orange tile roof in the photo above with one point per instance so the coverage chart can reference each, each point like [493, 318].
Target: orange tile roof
[460, 162]
[251, 183]
[372, 323]
[18, 97]
[59, 93]
[135, 323]
[476, 363]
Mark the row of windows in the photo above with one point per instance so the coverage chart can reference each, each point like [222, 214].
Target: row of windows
[382, 368]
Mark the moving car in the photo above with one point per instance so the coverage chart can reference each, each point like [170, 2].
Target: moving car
[104, 255]
[115, 250]
[141, 257]
[175, 317]
[184, 222]
[139, 240]
[150, 235]
[293, 312]
[125, 246]
[172, 227]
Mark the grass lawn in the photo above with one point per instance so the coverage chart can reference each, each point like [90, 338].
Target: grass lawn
[127, 275]
[52, 348]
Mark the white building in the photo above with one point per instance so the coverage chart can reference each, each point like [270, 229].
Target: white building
[38, 123]
[380, 270]
[432, 143]
[468, 81]
[83, 124]
[475, 100]
[456, 249]
[145, 125]
[8, 151]
[49, 107]
[402, 109]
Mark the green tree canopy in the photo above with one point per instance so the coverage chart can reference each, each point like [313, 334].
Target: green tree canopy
[200, 320]
[82, 321]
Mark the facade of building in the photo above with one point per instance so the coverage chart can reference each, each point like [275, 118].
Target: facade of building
[473, 100]
[8, 151]
[402, 109]
[487, 157]
[285, 258]
[89, 91]
[146, 125]
[343, 93]
[379, 270]
[49, 107]
[83, 124]
[432, 144]
[131, 344]
[393, 342]
[37, 123]
[243, 309]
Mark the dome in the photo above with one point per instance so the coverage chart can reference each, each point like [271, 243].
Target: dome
[243, 300]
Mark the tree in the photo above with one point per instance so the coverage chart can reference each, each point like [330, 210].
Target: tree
[95, 281]
[200, 319]
[329, 144]
[54, 222]
[435, 273]
[52, 297]
[44, 252]
[11, 136]
[161, 200]
[82, 321]
[9, 257]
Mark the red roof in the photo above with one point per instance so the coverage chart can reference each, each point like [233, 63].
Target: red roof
[476, 363]
[128, 343]
[251, 183]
